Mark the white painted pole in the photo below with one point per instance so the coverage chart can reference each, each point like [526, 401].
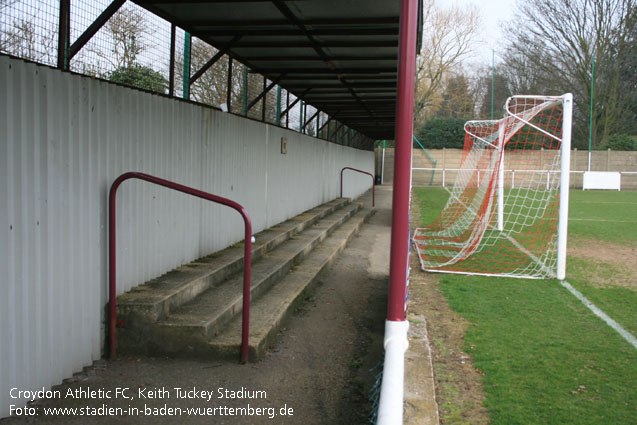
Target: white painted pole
[562, 225]
[512, 179]
[501, 178]
[390, 408]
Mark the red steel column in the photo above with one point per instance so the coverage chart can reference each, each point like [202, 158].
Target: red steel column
[398, 265]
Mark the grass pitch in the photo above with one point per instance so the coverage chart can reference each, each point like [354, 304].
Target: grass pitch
[546, 358]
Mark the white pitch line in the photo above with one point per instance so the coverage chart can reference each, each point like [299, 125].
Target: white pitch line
[599, 313]
[606, 202]
[602, 220]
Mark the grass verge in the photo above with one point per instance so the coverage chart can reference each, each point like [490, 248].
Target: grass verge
[545, 358]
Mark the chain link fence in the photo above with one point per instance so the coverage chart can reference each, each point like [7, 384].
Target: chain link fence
[126, 44]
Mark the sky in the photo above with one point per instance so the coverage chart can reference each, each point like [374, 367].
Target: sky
[493, 13]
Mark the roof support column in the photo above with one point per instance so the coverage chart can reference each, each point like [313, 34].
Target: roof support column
[244, 110]
[309, 120]
[326, 124]
[171, 71]
[287, 108]
[229, 86]
[335, 133]
[186, 72]
[64, 32]
[278, 106]
[398, 263]
[301, 118]
[265, 95]
[392, 389]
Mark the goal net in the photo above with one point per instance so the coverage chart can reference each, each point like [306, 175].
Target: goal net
[506, 213]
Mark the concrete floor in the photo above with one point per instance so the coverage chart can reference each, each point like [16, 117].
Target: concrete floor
[319, 371]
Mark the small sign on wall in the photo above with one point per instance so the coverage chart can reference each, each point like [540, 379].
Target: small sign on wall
[284, 145]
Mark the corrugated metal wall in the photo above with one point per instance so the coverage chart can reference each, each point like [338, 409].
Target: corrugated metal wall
[63, 140]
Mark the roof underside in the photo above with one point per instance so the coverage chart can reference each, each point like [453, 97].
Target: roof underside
[341, 56]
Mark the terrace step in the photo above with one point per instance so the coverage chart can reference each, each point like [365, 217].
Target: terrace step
[268, 313]
[205, 316]
[166, 324]
[155, 299]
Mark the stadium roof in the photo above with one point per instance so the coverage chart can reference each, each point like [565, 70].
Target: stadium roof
[341, 56]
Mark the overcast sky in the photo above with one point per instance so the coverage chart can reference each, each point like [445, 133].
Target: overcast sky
[494, 13]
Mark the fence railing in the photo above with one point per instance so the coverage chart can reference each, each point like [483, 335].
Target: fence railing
[363, 172]
[433, 174]
[112, 252]
[121, 42]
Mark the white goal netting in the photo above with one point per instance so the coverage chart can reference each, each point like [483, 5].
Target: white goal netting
[502, 214]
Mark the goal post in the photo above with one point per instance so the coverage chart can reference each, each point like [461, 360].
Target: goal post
[507, 221]
[564, 185]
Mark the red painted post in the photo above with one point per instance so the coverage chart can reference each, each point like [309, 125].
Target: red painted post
[399, 257]
[112, 253]
[364, 172]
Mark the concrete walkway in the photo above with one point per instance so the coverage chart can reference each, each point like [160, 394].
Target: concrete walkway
[319, 371]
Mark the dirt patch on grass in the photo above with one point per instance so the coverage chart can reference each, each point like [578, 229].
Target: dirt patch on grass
[616, 265]
[458, 384]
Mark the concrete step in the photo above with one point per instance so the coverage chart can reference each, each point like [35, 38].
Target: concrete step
[268, 313]
[188, 329]
[156, 299]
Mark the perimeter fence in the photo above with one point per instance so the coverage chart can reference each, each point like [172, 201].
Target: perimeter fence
[121, 42]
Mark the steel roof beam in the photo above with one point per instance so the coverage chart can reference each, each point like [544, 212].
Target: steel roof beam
[97, 24]
[316, 59]
[212, 60]
[264, 92]
[325, 43]
[296, 32]
[282, 22]
[338, 71]
[283, 8]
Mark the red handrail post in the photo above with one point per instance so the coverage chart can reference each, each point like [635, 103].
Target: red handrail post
[364, 172]
[112, 253]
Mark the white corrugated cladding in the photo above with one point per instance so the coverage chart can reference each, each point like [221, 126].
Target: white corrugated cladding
[63, 140]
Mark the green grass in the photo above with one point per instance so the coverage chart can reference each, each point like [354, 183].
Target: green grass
[546, 358]
[606, 216]
[595, 281]
[603, 215]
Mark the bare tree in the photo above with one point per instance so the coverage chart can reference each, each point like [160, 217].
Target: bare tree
[552, 46]
[211, 87]
[448, 36]
[21, 37]
[129, 34]
[457, 99]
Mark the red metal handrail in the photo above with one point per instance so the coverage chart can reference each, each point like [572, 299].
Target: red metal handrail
[112, 254]
[364, 172]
